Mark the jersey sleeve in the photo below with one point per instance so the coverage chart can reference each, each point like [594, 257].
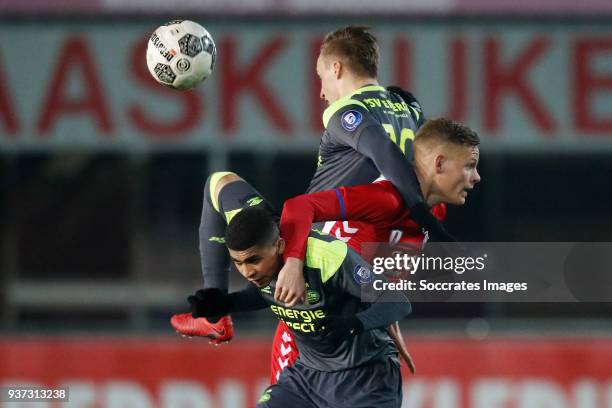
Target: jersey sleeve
[355, 277]
[379, 204]
[354, 126]
[345, 125]
[247, 299]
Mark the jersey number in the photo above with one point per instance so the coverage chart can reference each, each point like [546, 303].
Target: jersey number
[405, 134]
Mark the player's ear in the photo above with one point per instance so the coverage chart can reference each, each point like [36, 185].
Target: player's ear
[280, 245]
[337, 67]
[439, 163]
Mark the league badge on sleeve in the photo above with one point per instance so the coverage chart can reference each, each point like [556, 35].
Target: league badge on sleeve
[350, 120]
[362, 275]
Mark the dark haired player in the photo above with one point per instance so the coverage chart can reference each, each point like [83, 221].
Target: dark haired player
[346, 356]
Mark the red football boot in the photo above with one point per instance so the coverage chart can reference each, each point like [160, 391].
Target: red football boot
[220, 332]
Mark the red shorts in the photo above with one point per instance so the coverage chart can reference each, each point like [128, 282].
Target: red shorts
[284, 351]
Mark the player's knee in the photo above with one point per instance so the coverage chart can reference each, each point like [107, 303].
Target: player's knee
[217, 181]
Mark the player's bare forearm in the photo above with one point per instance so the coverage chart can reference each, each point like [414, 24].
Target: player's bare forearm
[290, 285]
[396, 335]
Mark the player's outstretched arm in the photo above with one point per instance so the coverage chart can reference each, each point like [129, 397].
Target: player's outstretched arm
[378, 203]
[388, 309]
[214, 302]
[296, 220]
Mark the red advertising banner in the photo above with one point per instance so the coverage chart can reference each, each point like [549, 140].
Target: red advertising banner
[173, 373]
[307, 8]
[522, 87]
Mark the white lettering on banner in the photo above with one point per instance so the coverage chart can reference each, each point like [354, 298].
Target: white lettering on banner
[448, 393]
[82, 394]
[585, 393]
[537, 89]
[414, 394]
[232, 394]
[444, 393]
[184, 394]
[127, 394]
[536, 393]
[497, 392]
[491, 393]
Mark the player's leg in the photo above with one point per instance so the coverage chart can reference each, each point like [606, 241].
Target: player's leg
[292, 390]
[214, 259]
[374, 385]
[229, 195]
[225, 194]
[233, 194]
[277, 396]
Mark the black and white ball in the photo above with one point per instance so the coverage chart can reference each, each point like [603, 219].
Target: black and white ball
[181, 54]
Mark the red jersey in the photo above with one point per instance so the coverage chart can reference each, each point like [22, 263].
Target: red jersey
[376, 212]
[368, 213]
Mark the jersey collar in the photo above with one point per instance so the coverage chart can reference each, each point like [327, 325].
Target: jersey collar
[368, 88]
[348, 100]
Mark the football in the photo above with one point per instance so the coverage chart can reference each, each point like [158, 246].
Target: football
[181, 54]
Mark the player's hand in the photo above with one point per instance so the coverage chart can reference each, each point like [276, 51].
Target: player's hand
[290, 284]
[210, 302]
[335, 329]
